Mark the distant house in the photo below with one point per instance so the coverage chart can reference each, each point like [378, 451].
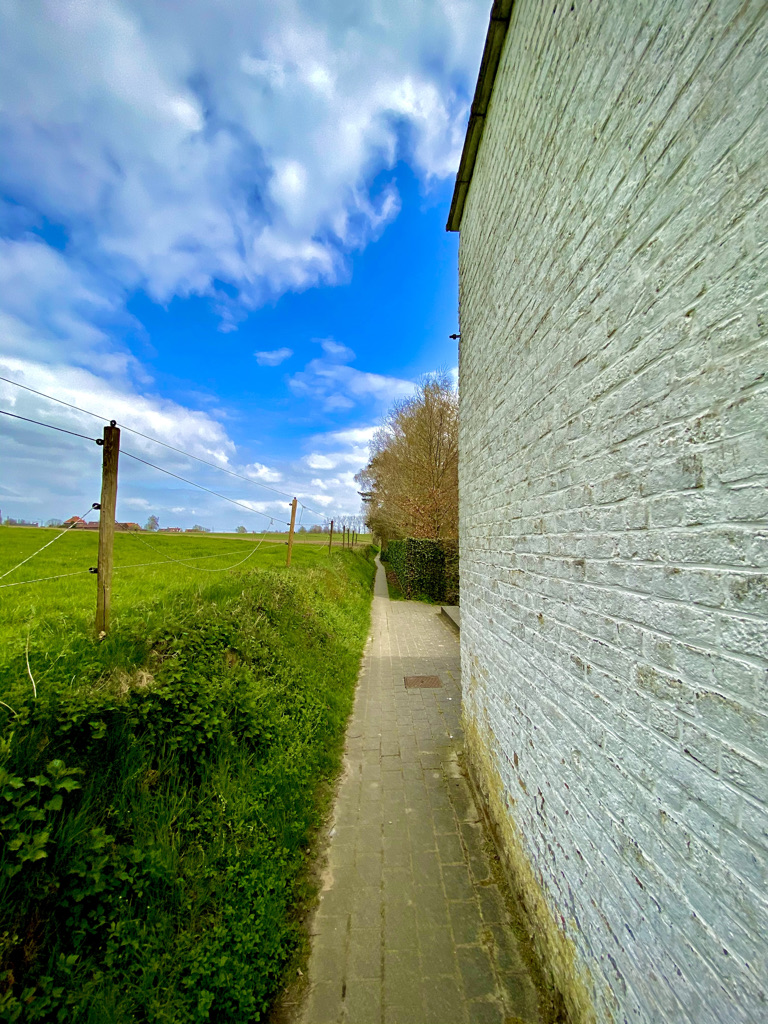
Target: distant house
[81, 524]
[170, 529]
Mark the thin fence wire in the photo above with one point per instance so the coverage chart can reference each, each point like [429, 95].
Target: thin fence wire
[46, 545]
[155, 440]
[42, 579]
[192, 483]
[162, 561]
[50, 426]
[200, 568]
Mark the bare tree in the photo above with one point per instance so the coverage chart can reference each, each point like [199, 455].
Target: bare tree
[410, 487]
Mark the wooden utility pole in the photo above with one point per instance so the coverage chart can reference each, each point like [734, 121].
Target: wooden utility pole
[330, 539]
[109, 457]
[290, 535]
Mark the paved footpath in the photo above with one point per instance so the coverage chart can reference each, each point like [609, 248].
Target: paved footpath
[411, 926]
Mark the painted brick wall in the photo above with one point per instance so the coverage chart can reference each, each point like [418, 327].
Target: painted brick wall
[614, 510]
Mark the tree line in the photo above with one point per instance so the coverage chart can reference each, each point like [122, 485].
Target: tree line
[410, 486]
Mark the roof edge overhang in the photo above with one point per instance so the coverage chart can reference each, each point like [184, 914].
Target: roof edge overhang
[501, 13]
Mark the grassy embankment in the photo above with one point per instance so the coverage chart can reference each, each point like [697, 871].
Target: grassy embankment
[160, 791]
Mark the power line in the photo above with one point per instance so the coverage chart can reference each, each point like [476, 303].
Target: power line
[200, 486]
[156, 440]
[50, 426]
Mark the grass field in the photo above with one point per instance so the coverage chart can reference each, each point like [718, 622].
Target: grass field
[161, 787]
[41, 608]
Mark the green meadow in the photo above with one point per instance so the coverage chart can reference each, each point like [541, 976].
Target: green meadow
[161, 788]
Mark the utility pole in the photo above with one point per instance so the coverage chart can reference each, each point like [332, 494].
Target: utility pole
[290, 535]
[330, 539]
[109, 457]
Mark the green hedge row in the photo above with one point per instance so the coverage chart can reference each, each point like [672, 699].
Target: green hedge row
[425, 568]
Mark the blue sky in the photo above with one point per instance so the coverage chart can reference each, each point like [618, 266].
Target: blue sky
[223, 225]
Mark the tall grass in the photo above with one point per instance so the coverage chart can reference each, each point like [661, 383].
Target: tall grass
[159, 794]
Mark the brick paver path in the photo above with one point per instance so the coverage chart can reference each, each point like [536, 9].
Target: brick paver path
[411, 926]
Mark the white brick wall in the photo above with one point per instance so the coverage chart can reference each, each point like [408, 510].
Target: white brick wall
[614, 510]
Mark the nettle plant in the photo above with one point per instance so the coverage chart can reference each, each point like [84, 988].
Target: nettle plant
[28, 807]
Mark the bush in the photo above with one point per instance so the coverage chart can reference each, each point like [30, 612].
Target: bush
[156, 819]
[425, 568]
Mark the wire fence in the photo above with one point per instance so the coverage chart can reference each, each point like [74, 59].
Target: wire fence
[164, 557]
[48, 544]
[147, 437]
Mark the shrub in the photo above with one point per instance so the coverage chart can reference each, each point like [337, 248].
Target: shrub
[426, 568]
[155, 833]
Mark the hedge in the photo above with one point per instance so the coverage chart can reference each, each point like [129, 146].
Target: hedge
[426, 568]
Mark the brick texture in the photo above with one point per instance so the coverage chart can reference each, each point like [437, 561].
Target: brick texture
[613, 491]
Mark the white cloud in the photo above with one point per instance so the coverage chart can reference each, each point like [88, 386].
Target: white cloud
[232, 157]
[193, 431]
[178, 149]
[260, 472]
[50, 305]
[53, 474]
[63, 473]
[273, 358]
[354, 435]
[316, 461]
[336, 351]
[337, 386]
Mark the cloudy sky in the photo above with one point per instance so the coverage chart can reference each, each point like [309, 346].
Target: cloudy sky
[222, 224]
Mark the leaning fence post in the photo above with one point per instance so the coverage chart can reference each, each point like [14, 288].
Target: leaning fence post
[109, 457]
[290, 533]
[330, 539]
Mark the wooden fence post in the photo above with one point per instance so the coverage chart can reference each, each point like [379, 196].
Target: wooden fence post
[290, 534]
[109, 457]
[330, 539]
